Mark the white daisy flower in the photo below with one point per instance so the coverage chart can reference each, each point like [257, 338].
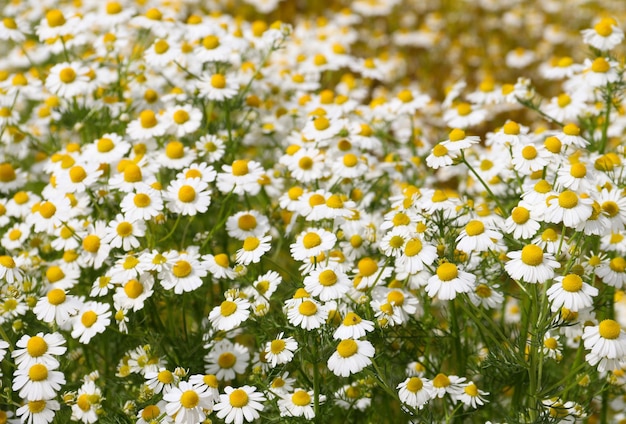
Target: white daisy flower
[571, 292]
[187, 403]
[568, 207]
[353, 327]
[613, 272]
[188, 197]
[217, 87]
[184, 273]
[448, 281]
[38, 411]
[280, 350]
[162, 380]
[144, 204]
[300, 403]
[226, 360]
[605, 35]
[312, 242]
[253, 249]
[415, 392]
[56, 306]
[351, 357]
[458, 140]
[93, 318]
[230, 314]
[308, 314]
[68, 80]
[450, 384]
[241, 177]
[472, 396]
[327, 283]
[476, 238]
[531, 264]
[607, 343]
[37, 382]
[239, 405]
[39, 349]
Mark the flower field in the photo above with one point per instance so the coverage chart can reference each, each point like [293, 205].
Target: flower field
[368, 211]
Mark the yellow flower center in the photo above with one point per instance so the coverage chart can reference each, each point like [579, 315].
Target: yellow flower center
[395, 297]
[56, 296]
[218, 81]
[301, 398]
[124, 229]
[89, 318]
[578, 170]
[189, 399]
[600, 65]
[405, 96]
[181, 269]
[610, 208]
[520, 215]
[55, 18]
[210, 42]
[277, 346]
[150, 412]
[307, 308]
[549, 235]
[141, 200]
[571, 129]
[603, 28]
[347, 348]
[328, 278]
[529, 152]
[563, 100]
[132, 173]
[15, 234]
[553, 144]
[77, 174]
[226, 360]
[9, 23]
[7, 261]
[240, 167]
[305, 163]
[222, 260]
[113, 8]
[483, 290]
[396, 242]
[413, 247]
[474, 228]
[165, 377]
[447, 271]
[456, 134]
[154, 14]
[186, 194]
[367, 267]
[181, 116]
[351, 319]
[238, 398]
[38, 372]
[564, 62]
[54, 274]
[311, 240]
[36, 346]
[532, 255]
[47, 210]
[414, 385]
[464, 109]
[609, 329]
[175, 150]
[568, 199]
[210, 380]
[67, 75]
[617, 264]
[161, 46]
[83, 402]
[133, 289]
[34, 406]
[572, 283]
[334, 202]
[350, 160]
[511, 128]
[441, 380]
[147, 119]
[247, 222]
[471, 390]
[91, 243]
[251, 243]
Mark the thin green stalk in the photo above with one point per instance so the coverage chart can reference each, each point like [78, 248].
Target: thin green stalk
[532, 370]
[482, 182]
[458, 347]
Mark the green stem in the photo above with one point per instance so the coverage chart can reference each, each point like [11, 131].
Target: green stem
[482, 182]
[458, 348]
[533, 372]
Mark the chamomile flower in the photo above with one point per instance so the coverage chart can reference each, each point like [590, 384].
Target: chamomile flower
[415, 256]
[307, 314]
[353, 327]
[472, 396]
[241, 177]
[569, 208]
[607, 345]
[351, 357]
[184, 273]
[415, 391]
[476, 237]
[486, 296]
[187, 403]
[230, 314]
[299, 403]
[49, 214]
[39, 349]
[153, 412]
[133, 293]
[239, 405]
[217, 87]
[604, 36]
[93, 318]
[531, 264]
[147, 125]
[458, 140]
[15, 236]
[162, 380]
[176, 155]
[39, 411]
[37, 381]
[211, 147]
[124, 233]
[327, 283]
[571, 292]
[448, 281]
[226, 360]
[464, 115]
[613, 271]
[68, 80]
[312, 242]
[552, 347]
[247, 224]
[56, 306]
[523, 222]
[280, 350]
[253, 249]
[143, 204]
[440, 157]
[188, 196]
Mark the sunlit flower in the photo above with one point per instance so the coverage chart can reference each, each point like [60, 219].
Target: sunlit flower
[531, 264]
[351, 357]
[230, 314]
[299, 403]
[226, 360]
[604, 35]
[93, 318]
[448, 281]
[607, 343]
[415, 391]
[280, 350]
[38, 381]
[187, 403]
[239, 405]
[571, 292]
